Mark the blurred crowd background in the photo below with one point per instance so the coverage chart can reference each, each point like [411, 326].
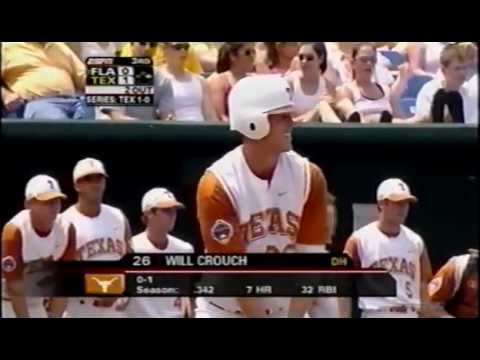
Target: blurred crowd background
[332, 82]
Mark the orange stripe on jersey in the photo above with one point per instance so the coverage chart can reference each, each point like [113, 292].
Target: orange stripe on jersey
[314, 228]
[441, 288]
[351, 249]
[219, 224]
[12, 261]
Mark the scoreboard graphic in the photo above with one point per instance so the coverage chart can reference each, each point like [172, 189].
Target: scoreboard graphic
[120, 81]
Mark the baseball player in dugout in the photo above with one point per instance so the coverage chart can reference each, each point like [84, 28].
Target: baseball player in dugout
[101, 233]
[159, 214]
[387, 243]
[30, 241]
[455, 286]
[261, 197]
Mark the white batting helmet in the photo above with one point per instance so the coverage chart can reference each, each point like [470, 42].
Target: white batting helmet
[253, 98]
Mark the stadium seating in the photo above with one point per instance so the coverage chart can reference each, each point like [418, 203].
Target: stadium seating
[415, 84]
[395, 58]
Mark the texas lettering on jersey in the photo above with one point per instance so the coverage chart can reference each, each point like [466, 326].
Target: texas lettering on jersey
[272, 221]
[101, 246]
[396, 265]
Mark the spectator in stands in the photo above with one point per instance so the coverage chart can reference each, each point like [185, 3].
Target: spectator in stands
[339, 69]
[235, 61]
[279, 56]
[92, 49]
[312, 93]
[10, 102]
[156, 52]
[162, 107]
[448, 98]
[364, 100]
[207, 54]
[424, 57]
[48, 76]
[191, 94]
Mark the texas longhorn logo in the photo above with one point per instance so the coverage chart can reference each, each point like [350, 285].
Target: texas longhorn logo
[106, 284]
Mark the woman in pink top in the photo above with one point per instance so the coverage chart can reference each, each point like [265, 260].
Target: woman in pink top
[235, 61]
[363, 100]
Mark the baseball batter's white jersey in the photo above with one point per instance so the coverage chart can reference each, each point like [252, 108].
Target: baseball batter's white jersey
[268, 213]
[31, 259]
[399, 255]
[101, 238]
[156, 307]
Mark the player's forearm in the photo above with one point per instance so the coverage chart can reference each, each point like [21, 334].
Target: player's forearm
[299, 307]
[345, 307]
[252, 307]
[57, 307]
[16, 293]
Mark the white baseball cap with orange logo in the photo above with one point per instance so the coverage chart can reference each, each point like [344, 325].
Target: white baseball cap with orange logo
[160, 198]
[395, 190]
[88, 166]
[43, 188]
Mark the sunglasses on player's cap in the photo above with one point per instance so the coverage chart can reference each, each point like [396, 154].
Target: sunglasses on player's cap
[88, 166]
[43, 188]
[160, 198]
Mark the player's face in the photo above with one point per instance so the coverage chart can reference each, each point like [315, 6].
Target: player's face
[91, 187]
[396, 212]
[45, 212]
[280, 136]
[162, 220]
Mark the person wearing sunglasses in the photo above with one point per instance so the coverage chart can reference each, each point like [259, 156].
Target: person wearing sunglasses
[235, 61]
[364, 100]
[156, 52]
[312, 93]
[191, 95]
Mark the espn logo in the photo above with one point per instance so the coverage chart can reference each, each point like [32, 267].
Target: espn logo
[104, 284]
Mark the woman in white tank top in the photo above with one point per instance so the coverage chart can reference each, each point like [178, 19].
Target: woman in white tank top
[363, 100]
[312, 93]
[191, 96]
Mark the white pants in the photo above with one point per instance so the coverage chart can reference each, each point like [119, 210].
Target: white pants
[325, 307]
[37, 311]
[388, 314]
[205, 309]
[77, 309]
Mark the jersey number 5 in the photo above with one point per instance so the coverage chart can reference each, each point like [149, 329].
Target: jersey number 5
[408, 289]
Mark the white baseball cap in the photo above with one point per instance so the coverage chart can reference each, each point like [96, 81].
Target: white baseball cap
[394, 190]
[160, 198]
[43, 188]
[88, 166]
